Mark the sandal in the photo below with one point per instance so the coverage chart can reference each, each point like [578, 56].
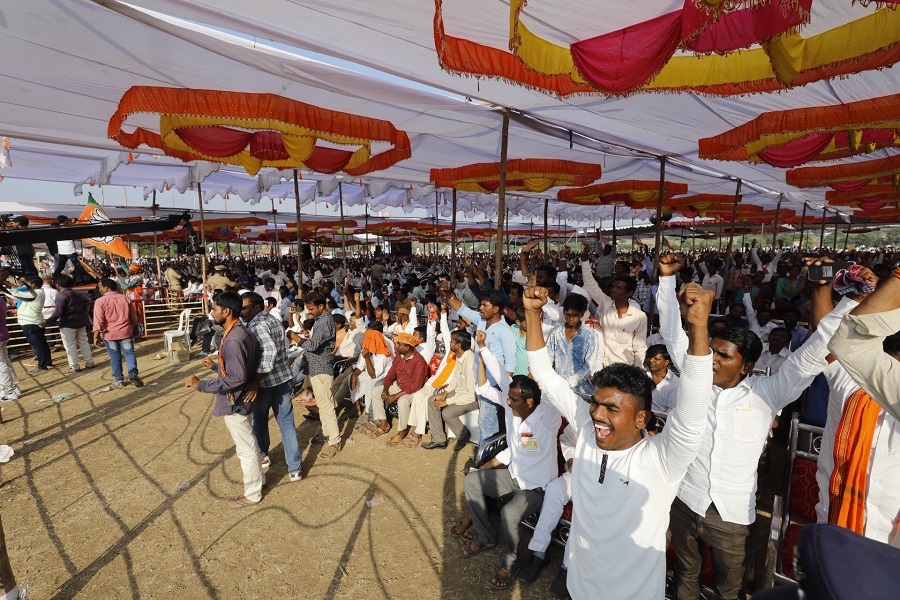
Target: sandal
[364, 427]
[329, 452]
[318, 439]
[462, 527]
[472, 548]
[411, 442]
[241, 502]
[504, 577]
[382, 428]
[397, 439]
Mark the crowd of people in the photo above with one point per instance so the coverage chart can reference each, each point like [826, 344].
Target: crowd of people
[643, 393]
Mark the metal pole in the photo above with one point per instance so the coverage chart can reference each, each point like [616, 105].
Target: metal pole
[659, 203]
[546, 207]
[343, 234]
[615, 206]
[822, 233]
[203, 243]
[453, 243]
[802, 227]
[299, 236]
[777, 222]
[501, 205]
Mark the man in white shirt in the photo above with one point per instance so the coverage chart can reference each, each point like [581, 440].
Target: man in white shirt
[711, 279]
[66, 253]
[762, 325]
[658, 365]
[717, 500]
[624, 323]
[530, 456]
[775, 352]
[623, 481]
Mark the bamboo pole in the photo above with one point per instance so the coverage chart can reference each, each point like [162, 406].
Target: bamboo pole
[729, 262]
[277, 238]
[546, 242]
[615, 206]
[802, 227]
[343, 233]
[822, 233]
[501, 205]
[659, 203]
[202, 243]
[777, 222]
[836, 220]
[155, 246]
[299, 236]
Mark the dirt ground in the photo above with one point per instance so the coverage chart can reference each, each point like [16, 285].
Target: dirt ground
[92, 506]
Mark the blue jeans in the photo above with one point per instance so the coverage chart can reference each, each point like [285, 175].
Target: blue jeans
[488, 419]
[277, 398]
[116, 349]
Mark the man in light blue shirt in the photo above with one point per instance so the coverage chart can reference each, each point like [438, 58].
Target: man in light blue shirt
[573, 347]
[500, 339]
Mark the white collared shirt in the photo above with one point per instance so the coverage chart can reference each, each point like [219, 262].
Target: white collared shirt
[625, 337]
[531, 443]
[666, 393]
[739, 418]
[773, 361]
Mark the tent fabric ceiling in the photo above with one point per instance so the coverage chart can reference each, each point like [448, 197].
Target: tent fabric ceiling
[84, 56]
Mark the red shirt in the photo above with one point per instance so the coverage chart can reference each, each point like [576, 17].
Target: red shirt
[410, 374]
[114, 316]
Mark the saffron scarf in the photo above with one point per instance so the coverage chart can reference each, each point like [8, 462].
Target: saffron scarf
[852, 449]
[374, 342]
[228, 329]
[441, 380]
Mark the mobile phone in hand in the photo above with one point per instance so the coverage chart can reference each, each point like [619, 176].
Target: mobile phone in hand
[827, 271]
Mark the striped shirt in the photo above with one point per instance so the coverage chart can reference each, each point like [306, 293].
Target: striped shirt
[273, 361]
[320, 346]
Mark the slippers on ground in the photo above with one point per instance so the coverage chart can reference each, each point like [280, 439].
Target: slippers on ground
[460, 528]
[241, 502]
[396, 440]
[410, 442]
[472, 548]
[504, 577]
[380, 430]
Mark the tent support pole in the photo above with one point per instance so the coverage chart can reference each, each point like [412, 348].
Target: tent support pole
[847, 235]
[659, 203]
[777, 222]
[343, 233]
[299, 235]
[501, 206]
[802, 227]
[546, 242]
[453, 244]
[615, 206]
[156, 247]
[835, 230]
[729, 260]
[277, 239]
[822, 232]
[202, 243]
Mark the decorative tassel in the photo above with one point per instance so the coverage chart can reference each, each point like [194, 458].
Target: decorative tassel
[855, 139]
[5, 160]
[895, 178]
[130, 157]
[870, 147]
[167, 187]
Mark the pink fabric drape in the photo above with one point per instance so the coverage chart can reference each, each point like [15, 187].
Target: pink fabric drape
[740, 28]
[796, 152]
[328, 160]
[848, 186]
[872, 203]
[267, 145]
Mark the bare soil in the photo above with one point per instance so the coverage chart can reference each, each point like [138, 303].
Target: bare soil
[92, 506]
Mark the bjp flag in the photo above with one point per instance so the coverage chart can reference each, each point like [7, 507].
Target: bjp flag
[93, 214]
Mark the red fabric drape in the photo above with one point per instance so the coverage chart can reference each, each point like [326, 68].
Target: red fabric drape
[624, 59]
[848, 186]
[328, 160]
[740, 28]
[872, 203]
[215, 141]
[267, 145]
[796, 152]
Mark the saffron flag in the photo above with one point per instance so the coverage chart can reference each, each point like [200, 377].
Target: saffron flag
[93, 214]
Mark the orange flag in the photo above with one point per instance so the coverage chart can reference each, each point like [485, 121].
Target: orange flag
[93, 214]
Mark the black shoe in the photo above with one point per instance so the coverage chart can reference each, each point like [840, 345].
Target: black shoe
[434, 445]
[532, 569]
[462, 441]
[137, 381]
[559, 588]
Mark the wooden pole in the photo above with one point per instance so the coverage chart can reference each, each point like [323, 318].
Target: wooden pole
[202, 243]
[846, 235]
[506, 232]
[836, 220]
[802, 227]
[546, 242]
[822, 233]
[453, 243]
[299, 236]
[277, 239]
[343, 234]
[777, 222]
[501, 205]
[155, 246]
[729, 263]
[659, 203]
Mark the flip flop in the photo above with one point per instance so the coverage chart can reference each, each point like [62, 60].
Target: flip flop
[473, 548]
[460, 528]
[380, 431]
[410, 442]
[240, 502]
[396, 440]
[504, 582]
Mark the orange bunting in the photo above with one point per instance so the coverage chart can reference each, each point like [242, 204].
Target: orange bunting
[526, 174]
[631, 192]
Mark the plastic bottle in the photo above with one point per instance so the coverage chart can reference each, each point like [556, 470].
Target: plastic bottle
[60, 397]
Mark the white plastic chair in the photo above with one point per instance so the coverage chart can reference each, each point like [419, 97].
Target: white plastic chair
[183, 331]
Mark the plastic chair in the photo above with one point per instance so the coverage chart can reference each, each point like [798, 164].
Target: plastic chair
[183, 331]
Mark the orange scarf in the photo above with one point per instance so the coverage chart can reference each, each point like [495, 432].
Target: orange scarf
[441, 380]
[852, 449]
[374, 342]
[228, 329]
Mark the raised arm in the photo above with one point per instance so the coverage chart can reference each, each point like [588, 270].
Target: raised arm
[680, 440]
[590, 284]
[669, 314]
